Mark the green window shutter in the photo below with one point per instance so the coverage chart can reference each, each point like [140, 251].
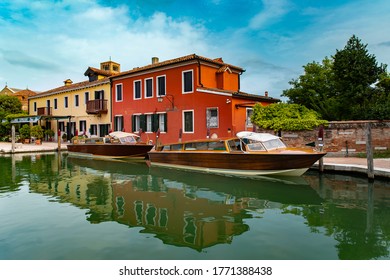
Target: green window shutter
[155, 122]
[133, 123]
[166, 122]
[142, 120]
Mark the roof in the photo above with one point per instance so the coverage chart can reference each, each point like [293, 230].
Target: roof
[98, 72]
[218, 62]
[72, 87]
[261, 137]
[260, 98]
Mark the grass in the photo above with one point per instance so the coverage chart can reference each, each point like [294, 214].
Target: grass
[381, 154]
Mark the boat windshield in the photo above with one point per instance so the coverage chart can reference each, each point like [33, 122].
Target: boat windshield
[274, 144]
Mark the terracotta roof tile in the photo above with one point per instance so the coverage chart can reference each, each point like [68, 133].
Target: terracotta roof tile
[190, 57]
[72, 87]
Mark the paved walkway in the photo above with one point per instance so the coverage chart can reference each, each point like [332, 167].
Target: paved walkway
[342, 164]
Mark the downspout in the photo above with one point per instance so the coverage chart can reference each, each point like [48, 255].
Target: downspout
[200, 72]
[110, 78]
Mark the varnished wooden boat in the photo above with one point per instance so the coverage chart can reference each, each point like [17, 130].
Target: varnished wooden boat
[117, 145]
[248, 154]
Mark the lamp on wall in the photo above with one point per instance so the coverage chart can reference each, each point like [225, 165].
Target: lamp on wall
[169, 97]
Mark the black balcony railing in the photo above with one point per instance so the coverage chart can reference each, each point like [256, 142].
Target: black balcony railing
[98, 106]
[44, 111]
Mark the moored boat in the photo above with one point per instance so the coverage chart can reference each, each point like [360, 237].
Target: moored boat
[247, 154]
[116, 145]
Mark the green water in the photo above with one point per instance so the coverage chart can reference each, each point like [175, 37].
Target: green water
[58, 207]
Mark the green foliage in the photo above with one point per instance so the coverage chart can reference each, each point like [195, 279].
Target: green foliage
[283, 116]
[9, 105]
[25, 131]
[37, 132]
[49, 132]
[348, 86]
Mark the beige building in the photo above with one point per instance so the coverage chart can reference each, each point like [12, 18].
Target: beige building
[82, 108]
[21, 94]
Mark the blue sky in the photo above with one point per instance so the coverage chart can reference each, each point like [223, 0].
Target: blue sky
[43, 43]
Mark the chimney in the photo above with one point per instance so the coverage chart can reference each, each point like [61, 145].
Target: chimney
[68, 82]
[266, 93]
[154, 60]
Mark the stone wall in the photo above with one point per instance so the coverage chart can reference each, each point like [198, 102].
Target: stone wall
[343, 137]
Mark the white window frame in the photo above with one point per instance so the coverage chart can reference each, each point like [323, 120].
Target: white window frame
[248, 122]
[116, 92]
[193, 121]
[209, 117]
[158, 94]
[149, 121]
[146, 88]
[183, 81]
[161, 121]
[122, 124]
[137, 122]
[140, 90]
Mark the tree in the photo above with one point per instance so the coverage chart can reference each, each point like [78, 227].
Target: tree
[355, 71]
[9, 105]
[315, 88]
[348, 86]
[283, 116]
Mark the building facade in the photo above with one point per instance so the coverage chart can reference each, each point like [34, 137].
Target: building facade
[78, 108]
[189, 97]
[21, 94]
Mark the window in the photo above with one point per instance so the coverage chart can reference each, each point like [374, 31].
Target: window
[93, 129]
[61, 126]
[35, 106]
[161, 86]
[137, 89]
[76, 100]
[187, 81]
[212, 118]
[118, 123]
[66, 102]
[119, 96]
[149, 123]
[188, 121]
[83, 127]
[162, 119]
[86, 97]
[148, 88]
[249, 113]
[55, 103]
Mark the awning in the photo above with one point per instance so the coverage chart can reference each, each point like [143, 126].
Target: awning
[33, 119]
[26, 119]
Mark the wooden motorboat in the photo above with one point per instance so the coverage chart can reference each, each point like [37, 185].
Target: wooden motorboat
[116, 145]
[247, 154]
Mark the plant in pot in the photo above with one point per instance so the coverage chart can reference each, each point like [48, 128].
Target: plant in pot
[37, 133]
[64, 137]
[24, 133]
[49, 133]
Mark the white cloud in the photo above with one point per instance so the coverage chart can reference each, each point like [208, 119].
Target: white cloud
[273, 10]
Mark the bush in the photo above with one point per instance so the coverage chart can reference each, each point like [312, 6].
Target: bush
[37, 132]
[25, 132]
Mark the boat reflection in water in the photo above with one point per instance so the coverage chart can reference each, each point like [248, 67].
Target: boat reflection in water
[314, 216]
[180, 208]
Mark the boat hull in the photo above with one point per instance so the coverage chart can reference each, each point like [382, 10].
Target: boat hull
[109, 150]
[240, 164]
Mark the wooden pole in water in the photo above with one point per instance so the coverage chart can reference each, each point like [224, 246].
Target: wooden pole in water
[13, 139]
[321, 146]
[370, 156]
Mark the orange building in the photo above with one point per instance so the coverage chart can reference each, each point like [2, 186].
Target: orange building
[21, 94]
[190, 97]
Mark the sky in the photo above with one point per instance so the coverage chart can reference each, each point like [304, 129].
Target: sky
[43, 43]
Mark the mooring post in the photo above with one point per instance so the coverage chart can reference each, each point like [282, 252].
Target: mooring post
[370, 156]
[321, 146]
[13, 139]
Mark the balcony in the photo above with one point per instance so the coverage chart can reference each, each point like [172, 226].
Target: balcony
[98, 106]
[44, 111]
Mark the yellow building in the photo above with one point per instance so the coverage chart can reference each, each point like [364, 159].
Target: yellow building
[83, 108]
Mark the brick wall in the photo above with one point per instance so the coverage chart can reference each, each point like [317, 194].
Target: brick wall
[346, 137]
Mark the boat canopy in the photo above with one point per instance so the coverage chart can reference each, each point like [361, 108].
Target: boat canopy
[254, 136]
[122, 134]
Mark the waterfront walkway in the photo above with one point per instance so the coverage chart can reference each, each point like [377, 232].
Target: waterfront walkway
[331, 163]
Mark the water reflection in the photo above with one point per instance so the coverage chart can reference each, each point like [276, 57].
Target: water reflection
[199, 211]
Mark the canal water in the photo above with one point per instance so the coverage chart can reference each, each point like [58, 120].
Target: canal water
[59, 208]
